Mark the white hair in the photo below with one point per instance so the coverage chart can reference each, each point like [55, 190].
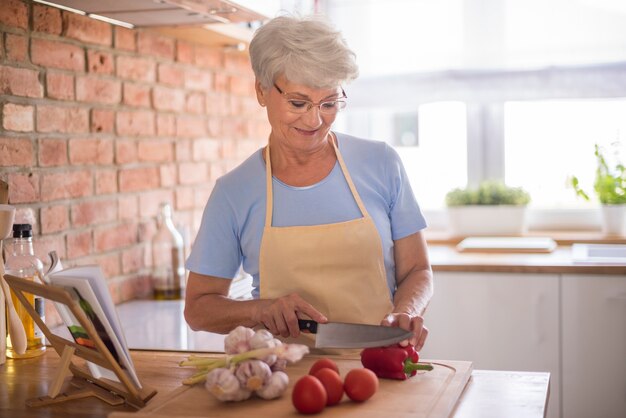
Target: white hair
[305, 50]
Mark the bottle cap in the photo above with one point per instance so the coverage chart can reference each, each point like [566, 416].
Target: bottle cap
[22, 231]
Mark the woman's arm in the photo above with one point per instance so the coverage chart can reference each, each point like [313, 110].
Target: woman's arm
[414, 280]
[208, 308]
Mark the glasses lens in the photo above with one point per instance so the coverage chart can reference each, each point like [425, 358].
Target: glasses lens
[332, 107]
[303, 106]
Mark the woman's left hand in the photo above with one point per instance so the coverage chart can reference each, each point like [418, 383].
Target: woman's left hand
[409, 323]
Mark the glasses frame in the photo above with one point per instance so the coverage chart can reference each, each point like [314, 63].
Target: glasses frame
[310, 104]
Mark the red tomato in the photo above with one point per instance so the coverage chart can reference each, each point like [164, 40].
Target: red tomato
[309, 395]
[323, 363]
[360, 384]
[332, 383]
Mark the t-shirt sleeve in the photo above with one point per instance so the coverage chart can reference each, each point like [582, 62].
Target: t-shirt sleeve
[216, 250]
[405, 214]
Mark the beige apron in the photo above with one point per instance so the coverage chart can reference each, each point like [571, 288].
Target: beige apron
[338, 268]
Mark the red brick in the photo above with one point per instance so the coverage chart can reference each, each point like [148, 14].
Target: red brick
[209, 57]
[60, 86]
[136, 94]
[185, 52]
[149, 43]
[86, 29]
[16, 47]
[66, 185]
[102, 120]
[192, 173]
[242, 86]
[238, 63]
[62, 119]
[17, 117]
[136, 179]
[168, 175]
[155, 151]
[171, 74]
[221, 82]
[125, 39]
[197, 79]
[99, 62]
[135, 123]
[79, 244]
[52, 152]
[150, 201]
[100, 90]
[195, 103]
[214, 127]
[185, 198]
[128, 207]
[190, 126]
[134, 68]
[114, 237]
[165, 98]
[14, 13]
[166, 124]
[54, 219]
[20, 82]
[183, 150]
[109, 263]
[125, 151]
[228, 150]
[201, 195]
[16, 152]
[45, 243]
[91, 151]
[217, 104]
[233, 128]
[23, 188]
[106, 181]
[206, 150]
[132, 262]
[47, 19]
[93, 212]
[57, 55]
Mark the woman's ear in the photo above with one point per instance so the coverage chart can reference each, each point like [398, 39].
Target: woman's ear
[260, 94]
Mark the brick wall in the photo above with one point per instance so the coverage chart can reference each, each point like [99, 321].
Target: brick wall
[99, 124]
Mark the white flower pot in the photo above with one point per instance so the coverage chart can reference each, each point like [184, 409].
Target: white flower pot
[614, 219]
[486, 220]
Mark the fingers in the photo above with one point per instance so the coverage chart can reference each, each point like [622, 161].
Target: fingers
[409, 323]
[280, 317]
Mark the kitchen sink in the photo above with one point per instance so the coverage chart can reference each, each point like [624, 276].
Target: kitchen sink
[599, 253]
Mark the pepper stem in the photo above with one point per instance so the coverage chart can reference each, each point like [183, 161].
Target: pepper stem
[410, 367]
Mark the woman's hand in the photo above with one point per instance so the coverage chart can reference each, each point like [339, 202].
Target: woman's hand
[280, 315]
[409, 323]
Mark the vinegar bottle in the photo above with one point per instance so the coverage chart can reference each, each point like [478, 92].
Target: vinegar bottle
[168, 270]
[21, 262]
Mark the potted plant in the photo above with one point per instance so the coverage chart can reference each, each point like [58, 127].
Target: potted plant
[610, 188]
[490, 209]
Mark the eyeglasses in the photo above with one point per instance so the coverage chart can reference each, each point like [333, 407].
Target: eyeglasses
[301, 106]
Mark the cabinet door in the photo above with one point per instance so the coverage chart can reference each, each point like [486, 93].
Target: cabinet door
[594, 346]
[499, 321]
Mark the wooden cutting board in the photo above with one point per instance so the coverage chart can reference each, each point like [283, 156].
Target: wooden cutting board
[429, 394]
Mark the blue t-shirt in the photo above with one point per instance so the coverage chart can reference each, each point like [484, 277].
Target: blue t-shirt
[233, 220]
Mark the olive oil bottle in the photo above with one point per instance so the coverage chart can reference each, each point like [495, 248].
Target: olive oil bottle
[21, 262]
[168, 270]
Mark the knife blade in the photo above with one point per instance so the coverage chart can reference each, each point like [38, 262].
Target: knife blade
[346, 335]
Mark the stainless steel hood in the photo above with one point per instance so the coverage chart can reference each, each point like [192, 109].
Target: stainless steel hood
[151, 13]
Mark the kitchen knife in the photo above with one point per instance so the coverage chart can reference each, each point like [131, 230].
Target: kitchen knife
[345, 335]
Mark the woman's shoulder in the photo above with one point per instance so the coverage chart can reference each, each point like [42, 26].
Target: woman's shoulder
[250, 170]
[366, 149]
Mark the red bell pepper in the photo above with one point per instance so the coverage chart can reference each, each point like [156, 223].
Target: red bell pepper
[393, 362]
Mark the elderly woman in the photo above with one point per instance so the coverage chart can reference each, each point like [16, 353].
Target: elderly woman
[326, 224]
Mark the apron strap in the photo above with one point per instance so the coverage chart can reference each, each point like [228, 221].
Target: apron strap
[268, 183]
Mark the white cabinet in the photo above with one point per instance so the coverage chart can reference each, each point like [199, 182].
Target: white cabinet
[499, 321]
[594, 346]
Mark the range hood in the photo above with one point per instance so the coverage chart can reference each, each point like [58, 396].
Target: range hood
[155, 13]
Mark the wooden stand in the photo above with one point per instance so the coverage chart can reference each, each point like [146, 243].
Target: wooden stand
[82, 384]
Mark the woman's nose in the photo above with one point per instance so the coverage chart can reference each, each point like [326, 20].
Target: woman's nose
[313, 117]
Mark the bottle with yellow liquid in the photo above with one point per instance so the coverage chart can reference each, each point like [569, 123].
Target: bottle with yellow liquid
[168, 269]
[21, 262]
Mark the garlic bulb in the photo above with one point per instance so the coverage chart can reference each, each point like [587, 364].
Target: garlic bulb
[275, 387]
[238, 340]
[253, 374]
[223, 384]
[264, 339]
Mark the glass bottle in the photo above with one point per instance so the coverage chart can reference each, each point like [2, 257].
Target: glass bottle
[21, 262]
[168, 269]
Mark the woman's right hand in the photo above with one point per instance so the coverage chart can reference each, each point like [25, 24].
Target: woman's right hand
[280, 315]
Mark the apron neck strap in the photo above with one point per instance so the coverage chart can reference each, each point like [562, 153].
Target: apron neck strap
[269, 189]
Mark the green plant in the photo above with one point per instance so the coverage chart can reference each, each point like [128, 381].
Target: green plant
[489, 192]
[609, 185]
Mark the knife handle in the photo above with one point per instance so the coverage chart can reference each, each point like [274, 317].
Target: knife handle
[307, 325]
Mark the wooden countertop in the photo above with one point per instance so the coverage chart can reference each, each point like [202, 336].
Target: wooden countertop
[488, 393]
